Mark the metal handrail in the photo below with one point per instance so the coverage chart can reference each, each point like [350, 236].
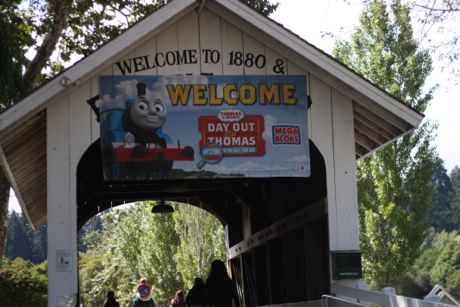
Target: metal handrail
[382, 299]
[332, 301]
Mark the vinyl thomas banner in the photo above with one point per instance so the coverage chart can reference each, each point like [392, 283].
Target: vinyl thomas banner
[171, 127]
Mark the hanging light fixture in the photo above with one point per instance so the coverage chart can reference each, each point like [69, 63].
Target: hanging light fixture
[162, 207]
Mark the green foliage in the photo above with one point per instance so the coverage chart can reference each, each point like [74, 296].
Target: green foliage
[15, 40]
[445, 213]
[159, 264]
[201, 241]
[135, 243]
[433, 247]
[17, 239]
[440, 213]
[455, 198]
[264, 7]
[395, 184]
[447, 262]
[440, 260]
[426, 261]
[94, 23]
[416, 283]
[77, 29]
[438, 23]
[92, 226]
[90, 265]
[453, 283]
[22, 284]
[114, 253]
[24, 242]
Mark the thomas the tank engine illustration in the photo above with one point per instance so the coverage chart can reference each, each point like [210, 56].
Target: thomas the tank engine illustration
[139, 147]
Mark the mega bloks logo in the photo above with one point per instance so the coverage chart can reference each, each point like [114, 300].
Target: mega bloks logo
[286, 135]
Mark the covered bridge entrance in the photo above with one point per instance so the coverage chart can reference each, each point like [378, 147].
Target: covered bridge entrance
[291, 219]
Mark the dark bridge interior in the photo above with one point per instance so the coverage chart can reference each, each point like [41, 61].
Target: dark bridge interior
[277, 227]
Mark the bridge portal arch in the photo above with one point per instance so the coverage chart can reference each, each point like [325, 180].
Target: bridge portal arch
[277, 228]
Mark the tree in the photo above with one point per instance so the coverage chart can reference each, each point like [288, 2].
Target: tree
[201, 241]
[24, 242]
[395, 184]
[90, 266]
[453, 283]
[431, 269]
[447, 263]
[441, 260]
[439, 20]
[38, 239]
[113, 255]
[455, 198]
[439, 214]
[14, 41]
[93, 225]
[135, 243]
[18, 243]
[23, 284]
[264, 7]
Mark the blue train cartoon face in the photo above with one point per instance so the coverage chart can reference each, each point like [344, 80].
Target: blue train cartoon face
[148, 113]
[134, 145]
[145, 117]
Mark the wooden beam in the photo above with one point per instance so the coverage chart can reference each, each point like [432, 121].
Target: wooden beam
[243, 193]
[360, 151]
[10, 176]
[370, 132]
[310, 213]
[365, 141]
[381, 122]
[368, 123]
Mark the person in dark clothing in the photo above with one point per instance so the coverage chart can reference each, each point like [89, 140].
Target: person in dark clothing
[196, 295]
[219, 290]
[178, 300]
[110, 300]
[143, 297]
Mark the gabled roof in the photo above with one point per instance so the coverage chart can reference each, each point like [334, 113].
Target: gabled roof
[379, 117]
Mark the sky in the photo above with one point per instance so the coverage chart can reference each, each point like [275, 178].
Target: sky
[322, 22]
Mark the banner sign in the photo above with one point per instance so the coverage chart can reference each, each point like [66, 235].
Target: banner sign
[172, 127]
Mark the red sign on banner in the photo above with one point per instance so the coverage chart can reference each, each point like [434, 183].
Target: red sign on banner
[237, 134]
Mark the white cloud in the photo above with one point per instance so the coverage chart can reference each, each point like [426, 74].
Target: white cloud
[127, 88]
[107, 102]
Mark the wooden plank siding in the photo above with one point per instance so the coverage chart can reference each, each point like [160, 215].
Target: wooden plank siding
[210, 33]
[25, 151]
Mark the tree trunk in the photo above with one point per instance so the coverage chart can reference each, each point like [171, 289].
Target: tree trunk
[60, 16]
[4, 197]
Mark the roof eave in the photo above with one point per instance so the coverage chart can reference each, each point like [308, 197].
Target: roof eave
[10, 176]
